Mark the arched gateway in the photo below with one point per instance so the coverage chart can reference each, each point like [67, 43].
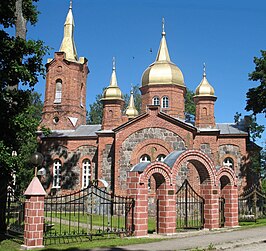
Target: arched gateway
[213, 185]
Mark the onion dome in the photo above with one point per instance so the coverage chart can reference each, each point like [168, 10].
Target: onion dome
[204, 88]
[163, 71]
[131, 110]
[112, 91]
[68, 44]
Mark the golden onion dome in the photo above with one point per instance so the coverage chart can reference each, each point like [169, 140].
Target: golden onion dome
[163, 71]
[131, 110]
[204, 88]
[112, 91]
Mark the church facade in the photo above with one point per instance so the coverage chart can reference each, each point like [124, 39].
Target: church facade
[151, 151]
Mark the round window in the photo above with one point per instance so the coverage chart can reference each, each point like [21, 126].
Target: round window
[56, 120]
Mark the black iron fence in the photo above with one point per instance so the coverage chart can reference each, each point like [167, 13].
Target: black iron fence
[87, 214]
[189, 207]
[252, 205]
[15, 214]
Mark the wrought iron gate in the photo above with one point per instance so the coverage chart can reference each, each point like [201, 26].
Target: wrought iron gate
[252, 205]
[86, 214]
[189, 207]
[15, 208]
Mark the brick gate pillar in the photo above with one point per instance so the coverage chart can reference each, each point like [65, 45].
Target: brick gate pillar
[139, 192]
[211, 206]
[34, 215]
[230, 194]
[167, 210]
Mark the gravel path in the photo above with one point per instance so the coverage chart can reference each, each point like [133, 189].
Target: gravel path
[252, 239]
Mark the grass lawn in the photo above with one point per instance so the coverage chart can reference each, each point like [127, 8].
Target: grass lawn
[259, 222]
[11, 245]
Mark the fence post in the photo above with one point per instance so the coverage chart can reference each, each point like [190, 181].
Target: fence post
[255, 203]
[34, 215]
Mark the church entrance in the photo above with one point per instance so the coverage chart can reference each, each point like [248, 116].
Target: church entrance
[186, 194]
[156, 202]
[189, 208]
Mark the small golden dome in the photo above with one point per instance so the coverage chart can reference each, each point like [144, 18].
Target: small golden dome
[163, 71]
[131, 110]
[112, 91]
[204, 88]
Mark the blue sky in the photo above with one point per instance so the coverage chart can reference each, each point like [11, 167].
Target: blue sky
[224, 34]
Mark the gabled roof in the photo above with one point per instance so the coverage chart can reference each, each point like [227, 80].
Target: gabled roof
[231, 129]
[162, 115]
[81, 131]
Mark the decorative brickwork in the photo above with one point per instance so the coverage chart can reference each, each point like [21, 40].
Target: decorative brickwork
[173, 92]
[205, 111]
[65, 94]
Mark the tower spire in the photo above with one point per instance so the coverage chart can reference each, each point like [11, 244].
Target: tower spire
[68, 44]
[113, 81]
[163, 54]
[131, 110]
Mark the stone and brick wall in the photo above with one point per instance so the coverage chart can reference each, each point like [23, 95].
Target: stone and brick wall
[71, 159]
[139, 137]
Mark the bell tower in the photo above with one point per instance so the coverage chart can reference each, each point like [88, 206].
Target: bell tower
[204, 101]
[113, 103]
[66, 75]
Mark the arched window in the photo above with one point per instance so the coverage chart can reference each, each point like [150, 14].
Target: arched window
[86, 172]
[156, 101]
[165, 102]
[57, 173]
[58, 91]
[204, 111]
[228, 162]
[145, 158]
[160, 157]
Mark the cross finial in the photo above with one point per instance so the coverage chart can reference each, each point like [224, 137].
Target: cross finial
[131, 90]
[70, 5]
[113, 63]
[204, 70]
[163, 30]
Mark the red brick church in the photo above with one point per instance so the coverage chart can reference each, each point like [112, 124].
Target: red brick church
[144, 155]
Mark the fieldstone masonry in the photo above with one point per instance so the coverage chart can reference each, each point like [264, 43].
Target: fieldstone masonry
[136, 138]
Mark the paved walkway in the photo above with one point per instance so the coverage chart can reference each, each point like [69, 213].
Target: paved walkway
[252, 239]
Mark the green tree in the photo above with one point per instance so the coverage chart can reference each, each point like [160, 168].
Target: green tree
[190, 108]
[20, 64]
[256, 96]
[250, 122]
[256, 154]
[95, 114]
